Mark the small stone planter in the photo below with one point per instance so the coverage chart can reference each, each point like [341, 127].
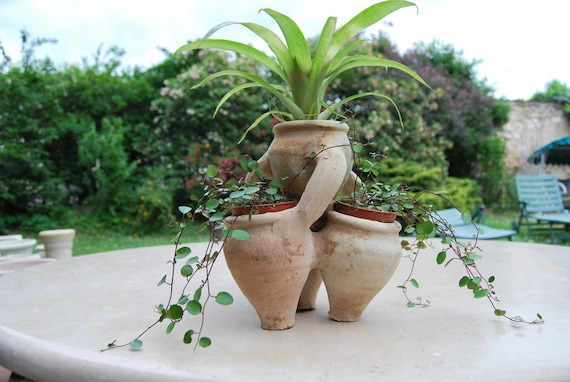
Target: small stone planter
[58, 243]
[17, 247]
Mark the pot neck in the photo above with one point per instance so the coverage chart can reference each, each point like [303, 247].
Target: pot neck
[308, 125]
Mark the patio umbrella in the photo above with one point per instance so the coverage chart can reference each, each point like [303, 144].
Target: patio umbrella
[556, 152]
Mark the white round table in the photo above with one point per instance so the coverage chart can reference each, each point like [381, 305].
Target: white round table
[55, 318]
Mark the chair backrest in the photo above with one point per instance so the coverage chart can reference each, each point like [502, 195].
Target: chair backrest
[452, 216]
[539, 193]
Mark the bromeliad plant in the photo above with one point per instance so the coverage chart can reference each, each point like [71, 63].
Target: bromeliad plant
[304, 75]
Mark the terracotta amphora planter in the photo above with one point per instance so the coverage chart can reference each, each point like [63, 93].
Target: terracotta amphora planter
[288, 158]
[313, 160]
[271, 267]
[357, 257]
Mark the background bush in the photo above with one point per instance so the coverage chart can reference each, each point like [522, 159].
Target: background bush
[97, 147]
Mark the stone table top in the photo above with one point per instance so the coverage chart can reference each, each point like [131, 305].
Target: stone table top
[55, 318]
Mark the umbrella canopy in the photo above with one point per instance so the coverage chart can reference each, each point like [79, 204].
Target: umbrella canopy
[556, 152]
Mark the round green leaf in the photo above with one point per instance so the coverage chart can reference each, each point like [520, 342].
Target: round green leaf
[170, 327]
[427, 227]
[237, 194]
[186, 271]
[136, 344]
[441, 257]
[224, 298]
[192, 260]
[184, 209]
[183, 252]
[217, 216]
[272, 191]
[194, 307]
[466, 217]
[464, 280]
[414, 283]
[500, 312]
[175, 312]
[357, 147]
[188, 336]
[162, 281]
[239, 234]
[205, 342]
[212, 171]
[212, 204]
[251, 190]
[480, 293]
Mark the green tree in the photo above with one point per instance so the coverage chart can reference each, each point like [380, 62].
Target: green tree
[468, 113]
[186, 138]
[377, 120]
[558, 91]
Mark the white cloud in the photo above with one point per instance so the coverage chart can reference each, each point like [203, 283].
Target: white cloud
[521, 44]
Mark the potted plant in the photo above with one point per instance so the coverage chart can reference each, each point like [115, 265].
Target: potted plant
[302, 77]
[312, 157]
[421, 226]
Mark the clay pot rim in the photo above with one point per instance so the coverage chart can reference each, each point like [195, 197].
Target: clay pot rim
[308, 124]
[364, 213]
[260, 209]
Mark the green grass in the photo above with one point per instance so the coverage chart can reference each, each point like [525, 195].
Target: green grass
[505, 220]
[95, 242]
[102, 242]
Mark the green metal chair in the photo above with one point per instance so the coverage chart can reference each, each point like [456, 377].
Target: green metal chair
[541, 206]
[476, 229]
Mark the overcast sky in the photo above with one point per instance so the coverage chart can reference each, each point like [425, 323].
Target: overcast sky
[521, 46]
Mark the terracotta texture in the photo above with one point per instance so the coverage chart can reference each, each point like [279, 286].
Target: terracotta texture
[269, 269]
[288, 157]
[282, 266]
[357, 258]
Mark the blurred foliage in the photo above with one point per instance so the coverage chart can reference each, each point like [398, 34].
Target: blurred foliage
[99, 147]
[452, 127]
[555, 91]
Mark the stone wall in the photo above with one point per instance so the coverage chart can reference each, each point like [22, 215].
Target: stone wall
[532, 125]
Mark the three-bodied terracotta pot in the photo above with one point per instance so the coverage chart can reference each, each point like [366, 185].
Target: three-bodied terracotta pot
[282, 266]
